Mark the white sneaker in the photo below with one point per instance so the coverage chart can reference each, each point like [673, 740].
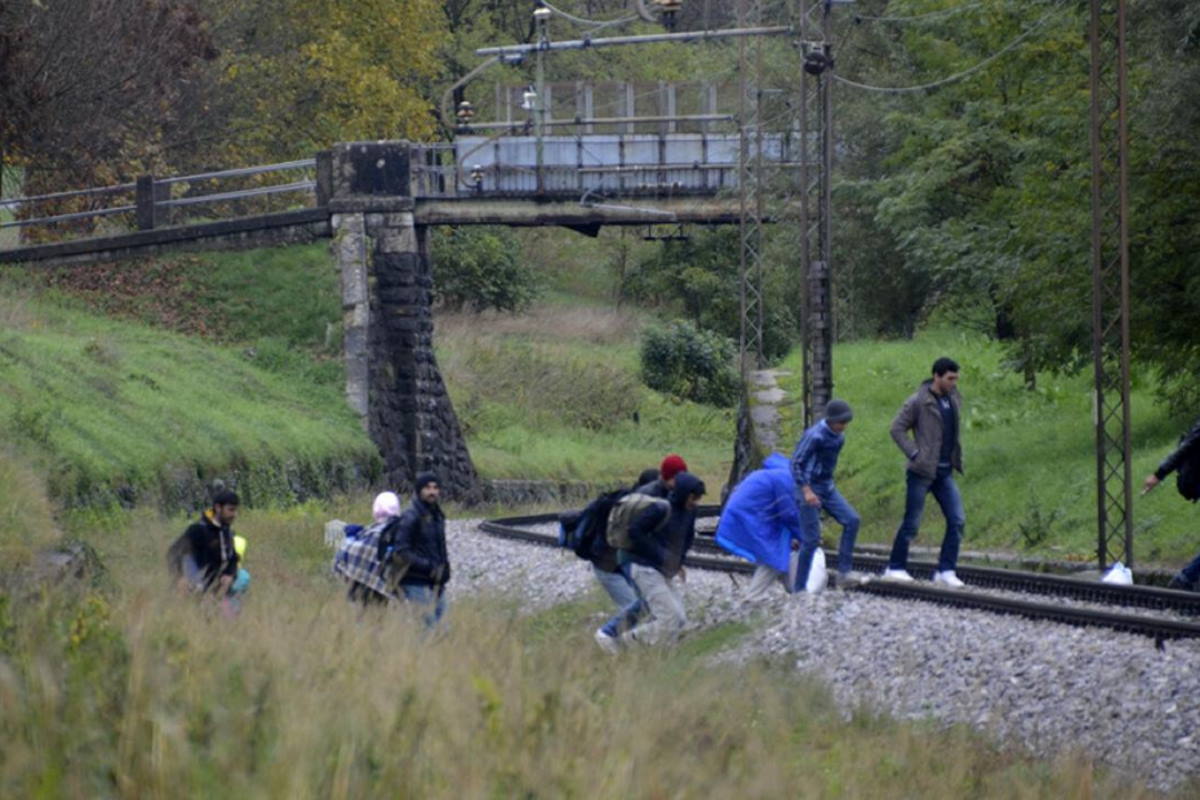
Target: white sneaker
[901, 575]
[948, 578]
[608, 644]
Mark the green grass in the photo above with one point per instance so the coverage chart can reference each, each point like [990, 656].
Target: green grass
[109, 408]
[1029, 456]
[121, 689]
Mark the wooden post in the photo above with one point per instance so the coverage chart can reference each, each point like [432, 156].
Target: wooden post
[144, 199]
[629, 104]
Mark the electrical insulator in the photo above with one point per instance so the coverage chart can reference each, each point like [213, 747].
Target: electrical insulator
[465, 112]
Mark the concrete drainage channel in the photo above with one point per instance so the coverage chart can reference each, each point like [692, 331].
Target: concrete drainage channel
[992, 589]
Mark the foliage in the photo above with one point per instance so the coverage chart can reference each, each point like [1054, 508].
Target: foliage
[481, 268]
[687, 362]
[701, 276]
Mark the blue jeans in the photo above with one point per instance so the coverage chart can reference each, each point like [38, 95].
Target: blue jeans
[945, 491]
[633, 607]
[1191, 573]
[840, 510]
[421, 594]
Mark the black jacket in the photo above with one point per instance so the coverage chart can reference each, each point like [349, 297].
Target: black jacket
[660, 545]
[211, 545]
[1188, 450]
[418, 538]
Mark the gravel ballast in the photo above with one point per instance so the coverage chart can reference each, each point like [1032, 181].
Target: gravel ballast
[1049, 687]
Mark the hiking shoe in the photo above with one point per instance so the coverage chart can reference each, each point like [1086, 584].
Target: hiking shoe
[948, 578]
[1181, 583]
[608, 644]
[846, 580]
[901, 575]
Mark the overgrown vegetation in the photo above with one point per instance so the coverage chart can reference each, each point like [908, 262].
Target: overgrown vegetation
[481, 269]
[693, 364]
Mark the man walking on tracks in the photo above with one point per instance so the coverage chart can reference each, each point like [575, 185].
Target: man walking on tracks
[1185, 460]
[813, 465]
[932, 416]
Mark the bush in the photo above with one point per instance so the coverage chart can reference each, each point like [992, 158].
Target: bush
[481, 268]
[690, 363]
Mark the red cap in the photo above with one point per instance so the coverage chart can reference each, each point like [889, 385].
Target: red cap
[671, 466]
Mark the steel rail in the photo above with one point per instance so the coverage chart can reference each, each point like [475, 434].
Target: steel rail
[299, 186]
[1156, 627]
[303, 163]
[100, 212]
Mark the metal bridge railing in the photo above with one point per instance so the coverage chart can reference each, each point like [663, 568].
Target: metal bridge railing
[152, 202]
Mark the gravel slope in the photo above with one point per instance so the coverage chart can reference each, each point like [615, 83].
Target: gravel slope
[1049, 687]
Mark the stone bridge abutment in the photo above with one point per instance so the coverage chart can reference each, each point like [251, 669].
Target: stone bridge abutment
[392, 377]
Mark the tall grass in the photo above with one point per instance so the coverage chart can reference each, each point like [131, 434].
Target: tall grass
[128, 691]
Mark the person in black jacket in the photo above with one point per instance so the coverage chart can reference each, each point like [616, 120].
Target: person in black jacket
[660, 541]
[204, 559]
[1184, 457]
[418, 541]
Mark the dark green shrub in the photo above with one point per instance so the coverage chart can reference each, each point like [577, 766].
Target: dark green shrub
[690, 363]
[481, 268]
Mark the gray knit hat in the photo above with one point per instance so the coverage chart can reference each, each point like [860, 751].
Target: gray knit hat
[838, 411]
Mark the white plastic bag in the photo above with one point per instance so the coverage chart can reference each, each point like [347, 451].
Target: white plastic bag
[1118, 573]
[818, 575]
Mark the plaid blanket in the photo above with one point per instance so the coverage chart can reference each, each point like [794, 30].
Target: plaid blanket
[357, 560]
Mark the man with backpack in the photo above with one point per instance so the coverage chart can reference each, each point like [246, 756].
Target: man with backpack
[417, 542]
[204, 559]
[1185, 460]
[652, 537]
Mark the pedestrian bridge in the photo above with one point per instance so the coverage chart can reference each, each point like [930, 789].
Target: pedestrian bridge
[580, 181]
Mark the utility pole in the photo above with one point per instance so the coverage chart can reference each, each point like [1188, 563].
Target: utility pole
[752, 189]
[815, 106]
[1110, 280]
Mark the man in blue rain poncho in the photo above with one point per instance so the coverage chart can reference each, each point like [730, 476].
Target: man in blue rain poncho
[760, 521]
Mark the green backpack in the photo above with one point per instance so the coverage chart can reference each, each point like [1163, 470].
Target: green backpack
[626, 511]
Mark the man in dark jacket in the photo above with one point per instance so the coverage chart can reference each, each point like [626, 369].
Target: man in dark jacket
[1186, 459]
[932, 415]
[660, 539]
[204, 559]
[418, 540]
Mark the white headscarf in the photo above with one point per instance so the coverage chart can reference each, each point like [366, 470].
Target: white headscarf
[386, 505]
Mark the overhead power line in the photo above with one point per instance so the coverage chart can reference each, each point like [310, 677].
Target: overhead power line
[944, 12]
[950, 78]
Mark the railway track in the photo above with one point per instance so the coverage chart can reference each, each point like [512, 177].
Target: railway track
[988, 578]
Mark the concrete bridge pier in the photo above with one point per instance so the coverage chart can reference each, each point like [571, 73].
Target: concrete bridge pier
[392, 377]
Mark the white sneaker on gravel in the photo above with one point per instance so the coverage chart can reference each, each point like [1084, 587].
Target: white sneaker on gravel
[948, 578]
[901, 575]
[608, 644]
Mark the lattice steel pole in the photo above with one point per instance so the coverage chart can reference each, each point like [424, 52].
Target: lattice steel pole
[1110, 280]
[752, 187]
[816, 172]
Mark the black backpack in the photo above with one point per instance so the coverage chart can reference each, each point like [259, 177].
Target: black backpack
[585, 531]
[1187, 478]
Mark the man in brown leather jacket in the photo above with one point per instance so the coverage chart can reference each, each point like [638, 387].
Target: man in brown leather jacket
[927, 431]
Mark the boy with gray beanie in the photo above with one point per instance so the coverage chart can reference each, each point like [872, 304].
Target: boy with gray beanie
[813, 465]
